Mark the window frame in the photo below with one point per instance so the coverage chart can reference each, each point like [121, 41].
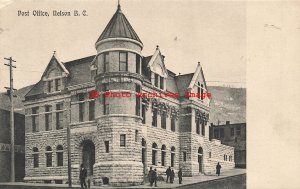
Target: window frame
[122, 140]
[106, 62]
[122, 62]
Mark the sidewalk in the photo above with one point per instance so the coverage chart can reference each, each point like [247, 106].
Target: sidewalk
[160, 184]
[195, 179]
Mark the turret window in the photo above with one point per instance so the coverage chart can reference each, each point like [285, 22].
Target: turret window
[106, 62]
[138, 64]
[123, 61]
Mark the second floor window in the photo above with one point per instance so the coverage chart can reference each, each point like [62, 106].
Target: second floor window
[154, 118]
[123, 61]
[198, 126]
[144, 113]
[35, 119]
[48, 118]
[173, 122]
[137, 100]
[91, 110]
[81, 98]
[138, 64]
[163, 120]
[203, 129]
[106, 62]
[59, 116]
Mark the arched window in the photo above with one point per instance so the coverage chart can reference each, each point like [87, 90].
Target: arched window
[163, 155]
[172, 156]
[60, 155]
[154, 153]
[48, 156]
[35, 157]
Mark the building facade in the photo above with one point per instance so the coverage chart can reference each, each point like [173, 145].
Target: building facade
[5, 146]
[232, 135]
[117, 133]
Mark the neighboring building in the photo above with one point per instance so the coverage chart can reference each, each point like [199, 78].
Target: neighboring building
[118, 139]
[232, 135]
[5, 153]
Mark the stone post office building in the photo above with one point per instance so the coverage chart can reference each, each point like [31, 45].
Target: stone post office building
[117, 139]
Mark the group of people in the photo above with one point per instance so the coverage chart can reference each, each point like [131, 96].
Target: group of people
[152, 176]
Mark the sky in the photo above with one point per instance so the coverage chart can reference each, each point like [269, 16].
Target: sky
[187, 32]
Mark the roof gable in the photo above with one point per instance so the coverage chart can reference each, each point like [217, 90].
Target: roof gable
[55, 64]
[198, 75]
[157, 65]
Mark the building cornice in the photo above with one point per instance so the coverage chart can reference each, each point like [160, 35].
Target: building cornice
[118, 39]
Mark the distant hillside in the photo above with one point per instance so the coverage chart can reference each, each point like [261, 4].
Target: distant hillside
[227, 104]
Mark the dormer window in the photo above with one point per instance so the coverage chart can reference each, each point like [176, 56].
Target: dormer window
[123, 66]
[162, 83]
[156, 80]
[202, 91]
[54, 82]
[50, 86]
[57, 84]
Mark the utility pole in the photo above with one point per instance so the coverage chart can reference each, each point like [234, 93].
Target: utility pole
[68, 115]
[12, 124]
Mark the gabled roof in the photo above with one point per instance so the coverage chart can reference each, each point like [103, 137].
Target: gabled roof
[54, 58]
[79, 73]
[119, 27]
[198, 71]
[157, 54]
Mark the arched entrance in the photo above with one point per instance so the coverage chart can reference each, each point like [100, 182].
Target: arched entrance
[88, 155]
[200, 159]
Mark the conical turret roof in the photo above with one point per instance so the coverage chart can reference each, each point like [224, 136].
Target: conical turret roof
[119, 26]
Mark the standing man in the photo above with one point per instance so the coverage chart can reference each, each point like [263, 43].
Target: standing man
[168, 173]
[218, 169]
[154, 177]
[172, 176]
[180, 176]
[82, 176]
[150, 176]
